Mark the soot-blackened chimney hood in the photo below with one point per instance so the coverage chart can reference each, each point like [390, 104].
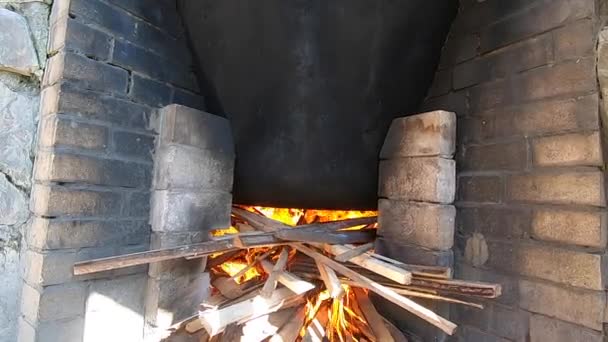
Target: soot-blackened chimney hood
[310, 88]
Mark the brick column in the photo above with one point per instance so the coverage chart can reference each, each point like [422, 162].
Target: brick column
[193, 173]
[416, 190]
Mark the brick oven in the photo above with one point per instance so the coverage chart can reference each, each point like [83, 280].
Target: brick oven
[495, 168]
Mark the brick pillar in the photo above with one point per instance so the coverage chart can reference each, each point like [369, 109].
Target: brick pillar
[416, 190]
[193, 173]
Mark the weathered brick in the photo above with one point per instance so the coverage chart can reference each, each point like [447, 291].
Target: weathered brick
[577, 306]
[427, 225]
[190, 211]
[61, 201]
[482, 189]
[584, 188]
[414, 327]
[86, 73]
[411, 254]
[163, 14]
[582, 228]
[455, 102]
[64, 330]
[429, 179]
[495, 319]
[76, 37]
[118, 303]
[133, 145]
[565, 78]
[580, 149]
[189, 99]
[48, 234]
[516, 58]
[470, 334]
[53, 302]
[137, 204]
[61, 131]
[427, 134]
[482, 14]
[576, 40]
[149, 91]
[536, 19]
[494, 221]
[111, 18]
[190, 168]
[442, 83]
[60, 167]
[511, 156]
[67, 99]
[170, 269]
[188, 126]
[552, 116]
[559, 265]
[548, 329]
[458, 49]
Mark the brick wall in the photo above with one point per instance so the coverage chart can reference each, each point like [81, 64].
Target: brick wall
[111, 64]
[531, 207]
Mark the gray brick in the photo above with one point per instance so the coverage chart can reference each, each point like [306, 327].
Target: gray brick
[495, 221]
[65, 330]
[581, 149]
[193, 168]
[481, 189]
[163, 14]
[68, 99]
[189, 99]
[188, 126]
[137, 204]
[453, 102]
[511, 156]
[548, 329]
[61, 131]
[48, 234]
[190, 211]
[459, 48]
[171, 269]
[133, 145]
[72, 168]
[426, 225]
[86, 73]
[53, 302]
[76, 37]
[576, 40]
[96, 12]
[61, 201]
[427, 134]
[428, 179]
[469, 334]
[150, 92]
[581, 228]
[577, 306]
[411, 254]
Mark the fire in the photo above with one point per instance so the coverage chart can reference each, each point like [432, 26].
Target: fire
[337, 319]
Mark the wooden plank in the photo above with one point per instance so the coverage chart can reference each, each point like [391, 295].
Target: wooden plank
[440, 272]
[271, 282]
[250, 266]
[374, 319]
[261, 328]
[291, 330]
[382, 268]
[330, 237]
[331, 281]
[354, 251]
[292, 282]
[405, 303]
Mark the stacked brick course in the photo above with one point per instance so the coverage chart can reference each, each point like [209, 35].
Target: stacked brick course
[521, 76]
[112, 63]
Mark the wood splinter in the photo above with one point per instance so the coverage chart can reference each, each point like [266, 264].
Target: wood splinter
[271, 282]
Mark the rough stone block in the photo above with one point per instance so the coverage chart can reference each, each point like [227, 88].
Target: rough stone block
[578, 149]
[427, 134]
[13, 203]
[116, 303]
[169, 301]
[411, 254]
[60, 131]
[133, 145]
[149, 91]
[559, 265]
[187, 126]
[577, 306]
[428, 179]
[187, 167]
[582, 228]
[481, 189]
[68, 99]
[64, 330]
[76, 37]
[18, 53]
[511, 156]
[426, 225]
[494, 221]
[583, 188]
[74, 168]
[53, 302]
[175, 211]
[86, 73]
[548, 329]
[60, 201]
[47, 234]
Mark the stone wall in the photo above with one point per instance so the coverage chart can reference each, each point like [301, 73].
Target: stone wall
[531, 207]
[23, 38]
[112, 64]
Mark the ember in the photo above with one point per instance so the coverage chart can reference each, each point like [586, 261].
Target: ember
[293, 274]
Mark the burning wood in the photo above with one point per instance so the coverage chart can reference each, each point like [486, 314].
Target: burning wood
[304, 279]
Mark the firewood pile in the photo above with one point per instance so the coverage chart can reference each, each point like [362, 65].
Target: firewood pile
[312, 282]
